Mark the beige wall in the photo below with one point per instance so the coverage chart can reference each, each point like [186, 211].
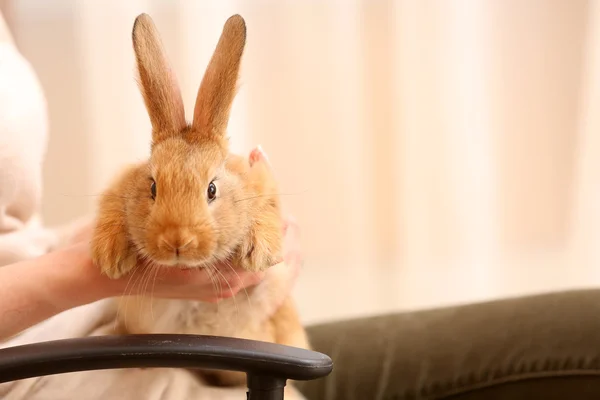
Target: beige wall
[433, 152]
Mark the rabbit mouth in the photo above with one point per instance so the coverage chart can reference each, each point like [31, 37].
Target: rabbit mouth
[181, 264]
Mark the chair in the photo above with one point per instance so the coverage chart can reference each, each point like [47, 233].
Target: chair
[267, 366]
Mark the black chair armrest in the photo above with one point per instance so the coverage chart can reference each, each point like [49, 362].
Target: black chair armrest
[268, 366]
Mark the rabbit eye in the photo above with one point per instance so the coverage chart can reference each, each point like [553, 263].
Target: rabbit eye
[153, 190]
[211, 192]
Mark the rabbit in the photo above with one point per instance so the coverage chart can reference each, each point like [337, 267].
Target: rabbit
[193, 203]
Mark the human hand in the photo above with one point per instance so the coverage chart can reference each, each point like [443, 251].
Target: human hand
[211, 284]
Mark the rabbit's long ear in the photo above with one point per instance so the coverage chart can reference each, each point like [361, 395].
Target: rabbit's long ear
[157, 81]
[219, 85]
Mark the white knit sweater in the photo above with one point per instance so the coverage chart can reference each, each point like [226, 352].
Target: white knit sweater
[23, 140]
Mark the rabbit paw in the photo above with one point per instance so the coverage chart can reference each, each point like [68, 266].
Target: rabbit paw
[262, 247]
[113, 255]
[261, 250]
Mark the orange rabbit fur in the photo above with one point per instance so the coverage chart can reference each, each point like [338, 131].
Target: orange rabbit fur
[193, 203]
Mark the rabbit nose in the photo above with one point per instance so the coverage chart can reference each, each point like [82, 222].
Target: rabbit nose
[176, 242]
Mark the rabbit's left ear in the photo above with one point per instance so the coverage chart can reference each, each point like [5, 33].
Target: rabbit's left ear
[157, 81]
[219, 85]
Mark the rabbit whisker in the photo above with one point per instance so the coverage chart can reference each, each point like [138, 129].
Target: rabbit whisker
[237, 311]
[228, 263]
[269, 195]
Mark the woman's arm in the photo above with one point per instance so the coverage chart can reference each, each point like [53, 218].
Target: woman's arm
[34, 290]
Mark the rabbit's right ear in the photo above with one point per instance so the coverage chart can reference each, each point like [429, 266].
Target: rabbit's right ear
[218, 86]
[157, 81]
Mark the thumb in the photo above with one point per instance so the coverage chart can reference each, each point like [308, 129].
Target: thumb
[252, 278]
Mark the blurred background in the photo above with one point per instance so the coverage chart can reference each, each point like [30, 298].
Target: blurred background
[432, 152]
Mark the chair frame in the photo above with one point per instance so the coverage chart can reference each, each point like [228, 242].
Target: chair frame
[268, 366]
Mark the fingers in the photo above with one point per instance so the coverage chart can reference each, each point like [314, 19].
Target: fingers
[237, 278]
[229, 282]
[292, 249]
[291, 225]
